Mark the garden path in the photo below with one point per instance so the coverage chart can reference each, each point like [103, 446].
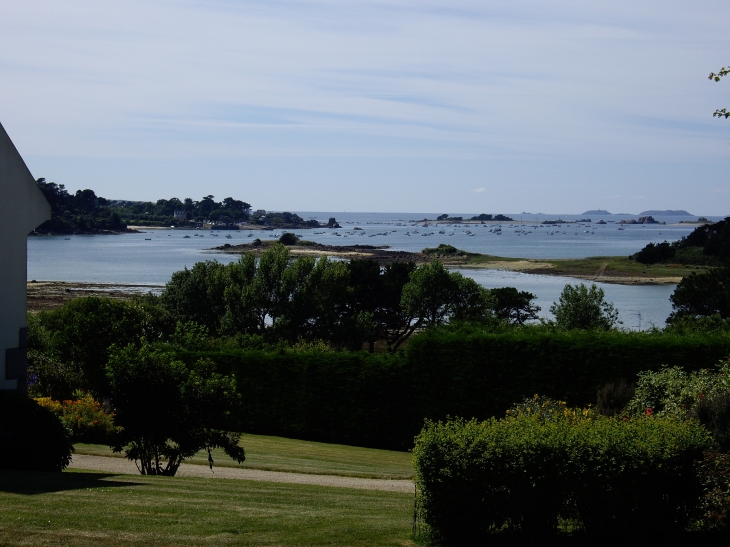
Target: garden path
[126, 467]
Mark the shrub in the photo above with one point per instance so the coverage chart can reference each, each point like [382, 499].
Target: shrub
[33, 438]
[287, 238]
[672, 391]
[86, 418]
[168, 412]
[524, 472]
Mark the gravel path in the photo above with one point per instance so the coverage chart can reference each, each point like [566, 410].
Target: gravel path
[126, 467]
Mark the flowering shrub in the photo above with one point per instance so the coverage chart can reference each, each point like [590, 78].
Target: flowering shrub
[86, 418]
[673, 392]
[547, 408]
[527, 471]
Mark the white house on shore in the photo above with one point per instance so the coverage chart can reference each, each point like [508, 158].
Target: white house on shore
[22, 209]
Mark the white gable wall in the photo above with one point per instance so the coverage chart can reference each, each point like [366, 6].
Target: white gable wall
[22, 209]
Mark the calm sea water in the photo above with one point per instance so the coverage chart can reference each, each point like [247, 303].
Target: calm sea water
[152, 257]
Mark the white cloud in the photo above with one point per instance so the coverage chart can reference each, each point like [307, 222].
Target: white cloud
[479, 190]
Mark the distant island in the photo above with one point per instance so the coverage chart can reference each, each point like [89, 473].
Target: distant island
[668, 212]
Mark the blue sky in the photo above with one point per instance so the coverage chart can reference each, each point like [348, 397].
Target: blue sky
[454, 106]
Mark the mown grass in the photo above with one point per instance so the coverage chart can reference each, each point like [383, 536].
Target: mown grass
[84, 509]
[291, 455]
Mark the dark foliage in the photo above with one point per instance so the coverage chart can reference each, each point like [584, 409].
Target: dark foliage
[86, 212]
[613, 397]
[702, 295]
[515, 306]
[343, 304]
[168, 412]
[485, 217]
[707, 244]
[655, 253]
[288, 239]
[32, 437]
[714, 413]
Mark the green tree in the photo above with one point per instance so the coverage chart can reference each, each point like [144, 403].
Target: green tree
[198, 294]
[433, 296]
[702, 295]
[580, 307]
[168, 412]
[514, 306]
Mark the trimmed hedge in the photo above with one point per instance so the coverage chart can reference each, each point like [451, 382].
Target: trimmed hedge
[381, 400]
[479, 375]
[350, 398]
[526, 472]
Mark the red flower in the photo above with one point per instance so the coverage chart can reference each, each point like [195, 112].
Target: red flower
[649, 411]
[702, 395]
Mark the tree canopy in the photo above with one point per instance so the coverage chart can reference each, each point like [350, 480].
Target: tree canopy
[581, 307]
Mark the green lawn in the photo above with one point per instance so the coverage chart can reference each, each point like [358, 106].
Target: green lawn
[84, 509]
[291, 455]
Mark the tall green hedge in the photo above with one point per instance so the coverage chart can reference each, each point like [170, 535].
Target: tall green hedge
[524, 473]
[481, 374]
[382, 400]
[351, 398]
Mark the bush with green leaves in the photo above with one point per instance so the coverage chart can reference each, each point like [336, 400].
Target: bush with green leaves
[581, 307]
[527, 472]
[32, 437]
[167, 412]
[674, 391]
[70, 345]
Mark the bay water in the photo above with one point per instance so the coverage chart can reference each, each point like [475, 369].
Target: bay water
[150, 258]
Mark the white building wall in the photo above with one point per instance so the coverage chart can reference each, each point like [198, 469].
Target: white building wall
[22, 209]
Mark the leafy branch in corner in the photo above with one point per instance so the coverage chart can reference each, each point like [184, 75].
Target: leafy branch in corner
[720, 113]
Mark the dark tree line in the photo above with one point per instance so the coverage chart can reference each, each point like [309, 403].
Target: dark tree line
[345, 304]
[84, 211]
[707, 244]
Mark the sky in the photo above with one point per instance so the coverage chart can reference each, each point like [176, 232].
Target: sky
[453, 106]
